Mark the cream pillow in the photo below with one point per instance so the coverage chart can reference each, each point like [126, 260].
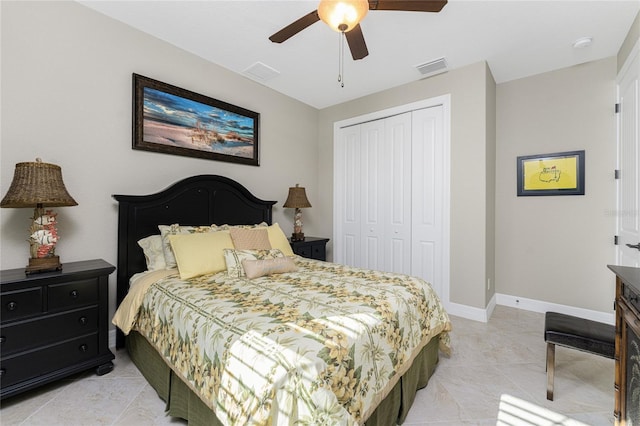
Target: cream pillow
[200, 253]
[278, 240]
[250, 239]
[260, 268]
[175, 229]
[153, 253]
[234, 258]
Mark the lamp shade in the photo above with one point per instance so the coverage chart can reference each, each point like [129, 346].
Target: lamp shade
[342, 15]
[297, 198]
[37, 183]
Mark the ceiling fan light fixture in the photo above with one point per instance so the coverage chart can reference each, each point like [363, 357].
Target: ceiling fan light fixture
[342, 15]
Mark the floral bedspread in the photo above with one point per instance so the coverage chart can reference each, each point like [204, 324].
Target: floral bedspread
[323, 345]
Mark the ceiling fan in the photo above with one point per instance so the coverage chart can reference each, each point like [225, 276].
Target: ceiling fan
[345, 15]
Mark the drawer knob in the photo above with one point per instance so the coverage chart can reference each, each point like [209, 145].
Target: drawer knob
[83, 320]
[74, 294]
[83, 347]
[12, 306]
[3, 339]
[2, 372]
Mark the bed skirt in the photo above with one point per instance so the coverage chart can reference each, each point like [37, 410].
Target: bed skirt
[183, 403]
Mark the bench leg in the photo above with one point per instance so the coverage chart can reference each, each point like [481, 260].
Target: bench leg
[551, 363]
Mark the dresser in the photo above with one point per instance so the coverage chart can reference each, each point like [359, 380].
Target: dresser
[53, 324]
[627, 356]
[311, 247]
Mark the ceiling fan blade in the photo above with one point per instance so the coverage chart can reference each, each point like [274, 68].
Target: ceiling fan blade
[295, 27]
[408, 5]
[355, 39]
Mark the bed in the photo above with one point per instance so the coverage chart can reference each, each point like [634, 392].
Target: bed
[307, 346]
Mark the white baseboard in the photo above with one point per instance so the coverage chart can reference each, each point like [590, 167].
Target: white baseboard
[541, 306]
[112, 338]
[483, 315]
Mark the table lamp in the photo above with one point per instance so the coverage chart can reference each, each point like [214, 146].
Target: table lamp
[297, 199]
[39, 185]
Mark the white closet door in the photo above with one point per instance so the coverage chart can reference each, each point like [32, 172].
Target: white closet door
[427, 196]
[396, 154]
[348, 208]
[373, 193]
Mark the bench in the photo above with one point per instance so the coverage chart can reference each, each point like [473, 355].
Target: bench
[577, 333]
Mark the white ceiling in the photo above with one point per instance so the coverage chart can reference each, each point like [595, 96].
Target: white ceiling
[517, 38]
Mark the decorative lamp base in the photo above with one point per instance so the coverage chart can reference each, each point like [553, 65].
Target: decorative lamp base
[297, 236]
[43, 264]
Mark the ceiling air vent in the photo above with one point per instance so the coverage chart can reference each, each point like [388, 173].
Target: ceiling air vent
[261, 72]
[434, 67]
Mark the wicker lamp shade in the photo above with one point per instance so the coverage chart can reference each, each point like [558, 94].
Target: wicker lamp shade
[297, 198]
[37, 183]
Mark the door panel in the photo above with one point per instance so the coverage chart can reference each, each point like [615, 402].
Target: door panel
[398, 205]
[628, 208]
[427, 195]
[372, 188]
[348, 203]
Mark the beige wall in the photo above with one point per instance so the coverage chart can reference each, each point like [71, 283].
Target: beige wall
[629, 42]
[67, 96]
[490, 216]
[556, 248]
[469, 186]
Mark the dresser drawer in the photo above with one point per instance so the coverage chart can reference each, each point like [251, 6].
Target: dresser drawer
[76, 293]
[630, 296]
[27, 365]
[20, 303]
[38, 332]
[319, 252]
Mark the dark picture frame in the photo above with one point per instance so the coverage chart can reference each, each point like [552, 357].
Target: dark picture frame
[172, 120]
[560, 173]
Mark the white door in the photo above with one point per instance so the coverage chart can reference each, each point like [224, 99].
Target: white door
[372, 186]
[347, 167]
[628, 208]
[397, 153]
[390, 193]
[428, 196]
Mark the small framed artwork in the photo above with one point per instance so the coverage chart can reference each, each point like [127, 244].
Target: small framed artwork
[561, 173]
[172, 120]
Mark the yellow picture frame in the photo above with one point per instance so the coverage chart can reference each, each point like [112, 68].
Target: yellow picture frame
[560, 173]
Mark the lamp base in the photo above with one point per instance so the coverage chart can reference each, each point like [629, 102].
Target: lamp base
[297, 236]
[43, 264]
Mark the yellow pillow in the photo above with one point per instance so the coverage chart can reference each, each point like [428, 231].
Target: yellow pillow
[200, 253]
[278, 240]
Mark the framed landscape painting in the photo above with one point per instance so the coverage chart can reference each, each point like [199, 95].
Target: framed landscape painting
[176, 121]
[560, 173]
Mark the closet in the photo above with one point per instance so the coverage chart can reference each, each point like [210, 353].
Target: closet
[391, 194]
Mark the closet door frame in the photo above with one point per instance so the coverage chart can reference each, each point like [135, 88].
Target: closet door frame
[443, 101]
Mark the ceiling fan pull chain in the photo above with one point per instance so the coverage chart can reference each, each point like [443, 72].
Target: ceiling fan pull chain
[341, 59]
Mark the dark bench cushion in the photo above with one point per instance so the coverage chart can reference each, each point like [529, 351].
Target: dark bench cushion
[579, 333]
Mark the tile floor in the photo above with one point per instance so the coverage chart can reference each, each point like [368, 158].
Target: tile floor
[496, 375]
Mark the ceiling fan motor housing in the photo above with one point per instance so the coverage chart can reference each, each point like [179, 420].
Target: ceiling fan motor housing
[342, 15]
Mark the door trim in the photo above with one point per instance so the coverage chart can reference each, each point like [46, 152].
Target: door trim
[445, 102]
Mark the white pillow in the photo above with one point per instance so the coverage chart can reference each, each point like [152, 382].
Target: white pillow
[153, 253]
[260, 268]
[234, 259]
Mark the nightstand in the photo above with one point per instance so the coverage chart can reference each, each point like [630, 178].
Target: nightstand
[53, 324]
[311, 247]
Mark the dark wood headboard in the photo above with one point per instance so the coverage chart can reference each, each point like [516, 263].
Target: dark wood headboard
[197, 200]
